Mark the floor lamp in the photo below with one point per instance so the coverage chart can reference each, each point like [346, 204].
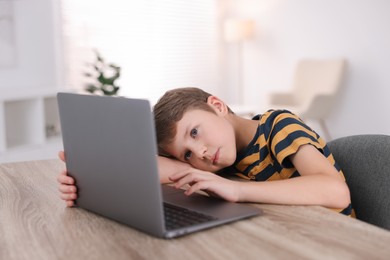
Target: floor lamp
[237, 31]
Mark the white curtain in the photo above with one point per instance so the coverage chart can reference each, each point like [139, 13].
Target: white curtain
[160, 44]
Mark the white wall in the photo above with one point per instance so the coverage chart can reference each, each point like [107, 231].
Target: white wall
[286, 32]
[37, 41]
[289, 30]
[29, 82]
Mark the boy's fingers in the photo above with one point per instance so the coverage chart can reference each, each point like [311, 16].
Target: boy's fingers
[69, 203]
[67, 188]
[176, 176]
[66, 196]
[61, 155]
[203, 185]
[63, 172]
[65, 179]
[68, 191]
[60, 177]
[190, 178]
[180, 181]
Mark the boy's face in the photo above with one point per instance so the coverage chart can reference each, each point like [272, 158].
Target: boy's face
[205, 140]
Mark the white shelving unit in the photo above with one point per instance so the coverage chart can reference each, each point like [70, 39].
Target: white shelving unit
[29, 124]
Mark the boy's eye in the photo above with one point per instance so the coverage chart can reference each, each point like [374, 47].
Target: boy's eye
[194, 132]
[187, 155]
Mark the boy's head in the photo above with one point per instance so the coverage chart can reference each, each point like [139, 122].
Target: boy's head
[170, 109]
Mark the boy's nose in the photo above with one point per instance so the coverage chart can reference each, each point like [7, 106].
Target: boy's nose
[201, 151]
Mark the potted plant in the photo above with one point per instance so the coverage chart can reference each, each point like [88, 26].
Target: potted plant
[104, 76]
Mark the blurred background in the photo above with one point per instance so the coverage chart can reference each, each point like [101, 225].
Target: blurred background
[240, 50]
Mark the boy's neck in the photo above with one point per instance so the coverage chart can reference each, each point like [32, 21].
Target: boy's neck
[244, 130]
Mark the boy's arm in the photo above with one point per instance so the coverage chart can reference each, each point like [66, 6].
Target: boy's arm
[168, 167]
[319, 184]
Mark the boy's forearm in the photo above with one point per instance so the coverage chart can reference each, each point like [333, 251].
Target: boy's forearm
[167, 167]
[304, 190]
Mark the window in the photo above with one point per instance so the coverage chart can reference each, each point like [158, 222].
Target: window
[159, 44]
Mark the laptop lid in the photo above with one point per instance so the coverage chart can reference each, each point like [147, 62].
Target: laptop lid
[111, 152]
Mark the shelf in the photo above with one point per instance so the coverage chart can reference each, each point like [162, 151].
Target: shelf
[13, 94]
[45, 151]
[29, 123]
[51, 119]
[23, 122]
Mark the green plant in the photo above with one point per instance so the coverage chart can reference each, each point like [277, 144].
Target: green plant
[104, 75]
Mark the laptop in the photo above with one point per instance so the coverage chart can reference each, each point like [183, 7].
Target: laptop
[111, 151]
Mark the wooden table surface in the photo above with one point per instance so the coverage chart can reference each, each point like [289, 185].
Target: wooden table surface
[35, 224]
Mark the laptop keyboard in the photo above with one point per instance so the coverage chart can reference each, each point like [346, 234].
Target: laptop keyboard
[177, 217]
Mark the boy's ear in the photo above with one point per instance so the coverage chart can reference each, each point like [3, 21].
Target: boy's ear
[218, 105]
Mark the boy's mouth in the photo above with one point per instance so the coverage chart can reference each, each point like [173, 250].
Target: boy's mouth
[215, 157]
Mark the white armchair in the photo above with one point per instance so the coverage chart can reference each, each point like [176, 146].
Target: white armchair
[316, 84]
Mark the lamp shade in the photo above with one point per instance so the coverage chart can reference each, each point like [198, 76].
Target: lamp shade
[238, 29]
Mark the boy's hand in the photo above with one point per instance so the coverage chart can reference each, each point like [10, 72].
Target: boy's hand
[66, 185]
[208, 182]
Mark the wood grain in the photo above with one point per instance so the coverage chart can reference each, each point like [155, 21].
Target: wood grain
[35, 224]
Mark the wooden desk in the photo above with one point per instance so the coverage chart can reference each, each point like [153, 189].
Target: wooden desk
[34, 224]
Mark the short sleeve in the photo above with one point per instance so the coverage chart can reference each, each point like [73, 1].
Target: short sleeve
[287, 133]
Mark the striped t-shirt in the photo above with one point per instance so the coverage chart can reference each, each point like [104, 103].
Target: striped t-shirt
[280, 134]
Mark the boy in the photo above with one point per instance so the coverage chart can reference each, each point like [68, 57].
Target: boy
[198, 135]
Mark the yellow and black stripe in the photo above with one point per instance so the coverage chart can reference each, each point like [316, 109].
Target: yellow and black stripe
[279, 135]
